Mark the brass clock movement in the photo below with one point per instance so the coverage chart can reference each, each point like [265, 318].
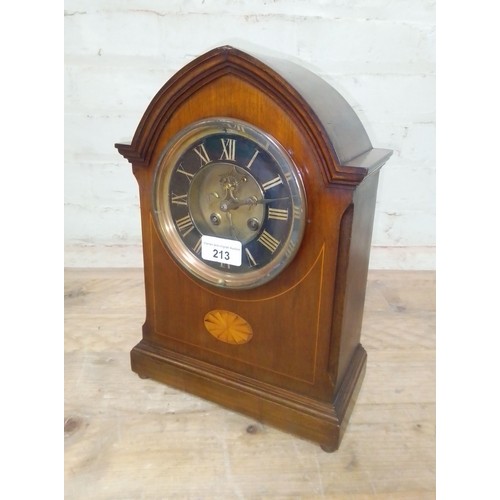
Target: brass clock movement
[257, 186]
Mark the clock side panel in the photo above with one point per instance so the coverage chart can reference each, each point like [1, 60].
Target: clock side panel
[144, 177]
[352, 264]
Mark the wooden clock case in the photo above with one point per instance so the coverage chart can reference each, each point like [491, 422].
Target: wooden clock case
[304, 365]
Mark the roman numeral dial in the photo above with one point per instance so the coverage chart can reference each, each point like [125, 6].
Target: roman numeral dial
[179, 199]
[269, 241]
[278, 213]
[228, 203]
[272, 183]
[201, 151]
[228, 149]
[185, 225]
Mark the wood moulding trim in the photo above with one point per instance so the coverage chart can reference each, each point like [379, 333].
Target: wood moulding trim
[228, 60]
[321, 422]
[235, 380]
[349, 388]
[345, 232]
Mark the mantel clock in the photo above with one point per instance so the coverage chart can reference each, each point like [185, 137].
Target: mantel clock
[257, 188]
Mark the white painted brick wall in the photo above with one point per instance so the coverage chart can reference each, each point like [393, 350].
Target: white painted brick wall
[379, 54]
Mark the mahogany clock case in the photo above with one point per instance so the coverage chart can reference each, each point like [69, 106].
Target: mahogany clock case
[302, 366]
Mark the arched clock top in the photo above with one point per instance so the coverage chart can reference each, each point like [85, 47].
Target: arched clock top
[332, 126]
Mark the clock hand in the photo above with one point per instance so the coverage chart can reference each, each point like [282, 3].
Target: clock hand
[234, 233]
[234, 203]
[252, 200]
[212, 197]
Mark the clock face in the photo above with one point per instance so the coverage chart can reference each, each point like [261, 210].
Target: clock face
[229, 203]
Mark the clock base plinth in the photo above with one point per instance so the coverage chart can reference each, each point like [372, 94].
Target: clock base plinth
[316, 421]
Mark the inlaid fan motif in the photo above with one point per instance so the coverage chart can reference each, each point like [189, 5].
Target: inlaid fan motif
[228, 327]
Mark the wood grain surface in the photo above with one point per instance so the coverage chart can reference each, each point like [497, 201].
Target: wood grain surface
[128, 438]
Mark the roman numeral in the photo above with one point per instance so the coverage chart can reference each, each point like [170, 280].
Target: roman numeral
[228, 149]
[202, 153]
[272, 183]
[179, 199]
[252, 159]
[290, 248]
[183, 172]
[277, 213]
[237, 126]
[270, 242]
[197, 247]
[185, 225]
[251, 260]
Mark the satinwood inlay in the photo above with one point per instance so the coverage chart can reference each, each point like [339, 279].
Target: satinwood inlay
[228, 327]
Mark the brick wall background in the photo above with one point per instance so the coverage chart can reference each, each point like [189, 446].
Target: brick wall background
[379, 54]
